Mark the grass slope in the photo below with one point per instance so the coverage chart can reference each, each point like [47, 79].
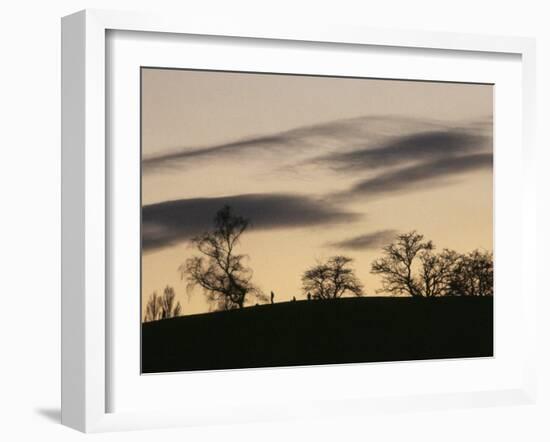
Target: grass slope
[321, 332]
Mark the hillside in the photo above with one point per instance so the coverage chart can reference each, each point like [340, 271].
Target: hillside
[321, 332]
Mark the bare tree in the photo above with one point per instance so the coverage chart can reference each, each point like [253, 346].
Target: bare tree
[410, 266]
[220, 272]
[331, 279]
[436, 271]
[153, 308]
[169, 309]
[162, 307]
[472, 275]
[396, 267]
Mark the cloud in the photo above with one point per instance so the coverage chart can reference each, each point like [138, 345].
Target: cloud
[335, 135]
[301, 137]
[405, 153]
[426, 145]
[410, 178]
[170, 222]
[368, 241]
[410, 161]
[179, 157]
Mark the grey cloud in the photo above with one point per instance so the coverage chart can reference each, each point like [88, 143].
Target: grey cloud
[368, 241]
[170, 222]
[428, 145]
[427, 173]
[167, 160]
[333, 135]
[295, 138]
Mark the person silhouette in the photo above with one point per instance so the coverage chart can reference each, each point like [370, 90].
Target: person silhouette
[308, 296]
[272, 296]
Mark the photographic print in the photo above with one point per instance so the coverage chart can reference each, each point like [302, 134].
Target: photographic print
[291, 220]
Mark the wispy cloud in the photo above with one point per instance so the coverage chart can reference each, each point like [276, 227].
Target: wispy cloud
[298, 138]
[421, 146]
[404, 162]
[410, 178]
[373, 240]
[170, 222]
[383, 155]
[336, 135]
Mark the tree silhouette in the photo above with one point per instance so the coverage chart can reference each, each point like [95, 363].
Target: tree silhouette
[169, 309]
[162, 307]
[472, 275]
[331, 279]
[220, 272]
[153, 307]
[410, 266]
[435, 272]
[396, 267]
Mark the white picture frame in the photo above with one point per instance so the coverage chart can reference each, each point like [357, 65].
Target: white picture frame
[85, 206]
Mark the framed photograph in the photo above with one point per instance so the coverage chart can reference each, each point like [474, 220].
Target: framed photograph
[281, 222]
[287, 243]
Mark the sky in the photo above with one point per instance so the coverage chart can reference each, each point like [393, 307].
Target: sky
[321, 166]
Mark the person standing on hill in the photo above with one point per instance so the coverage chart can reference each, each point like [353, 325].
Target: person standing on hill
[272, 296]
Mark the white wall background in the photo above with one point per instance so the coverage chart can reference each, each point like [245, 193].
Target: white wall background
[30, 216]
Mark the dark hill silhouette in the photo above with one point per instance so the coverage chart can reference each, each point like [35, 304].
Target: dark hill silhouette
[321, 332]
